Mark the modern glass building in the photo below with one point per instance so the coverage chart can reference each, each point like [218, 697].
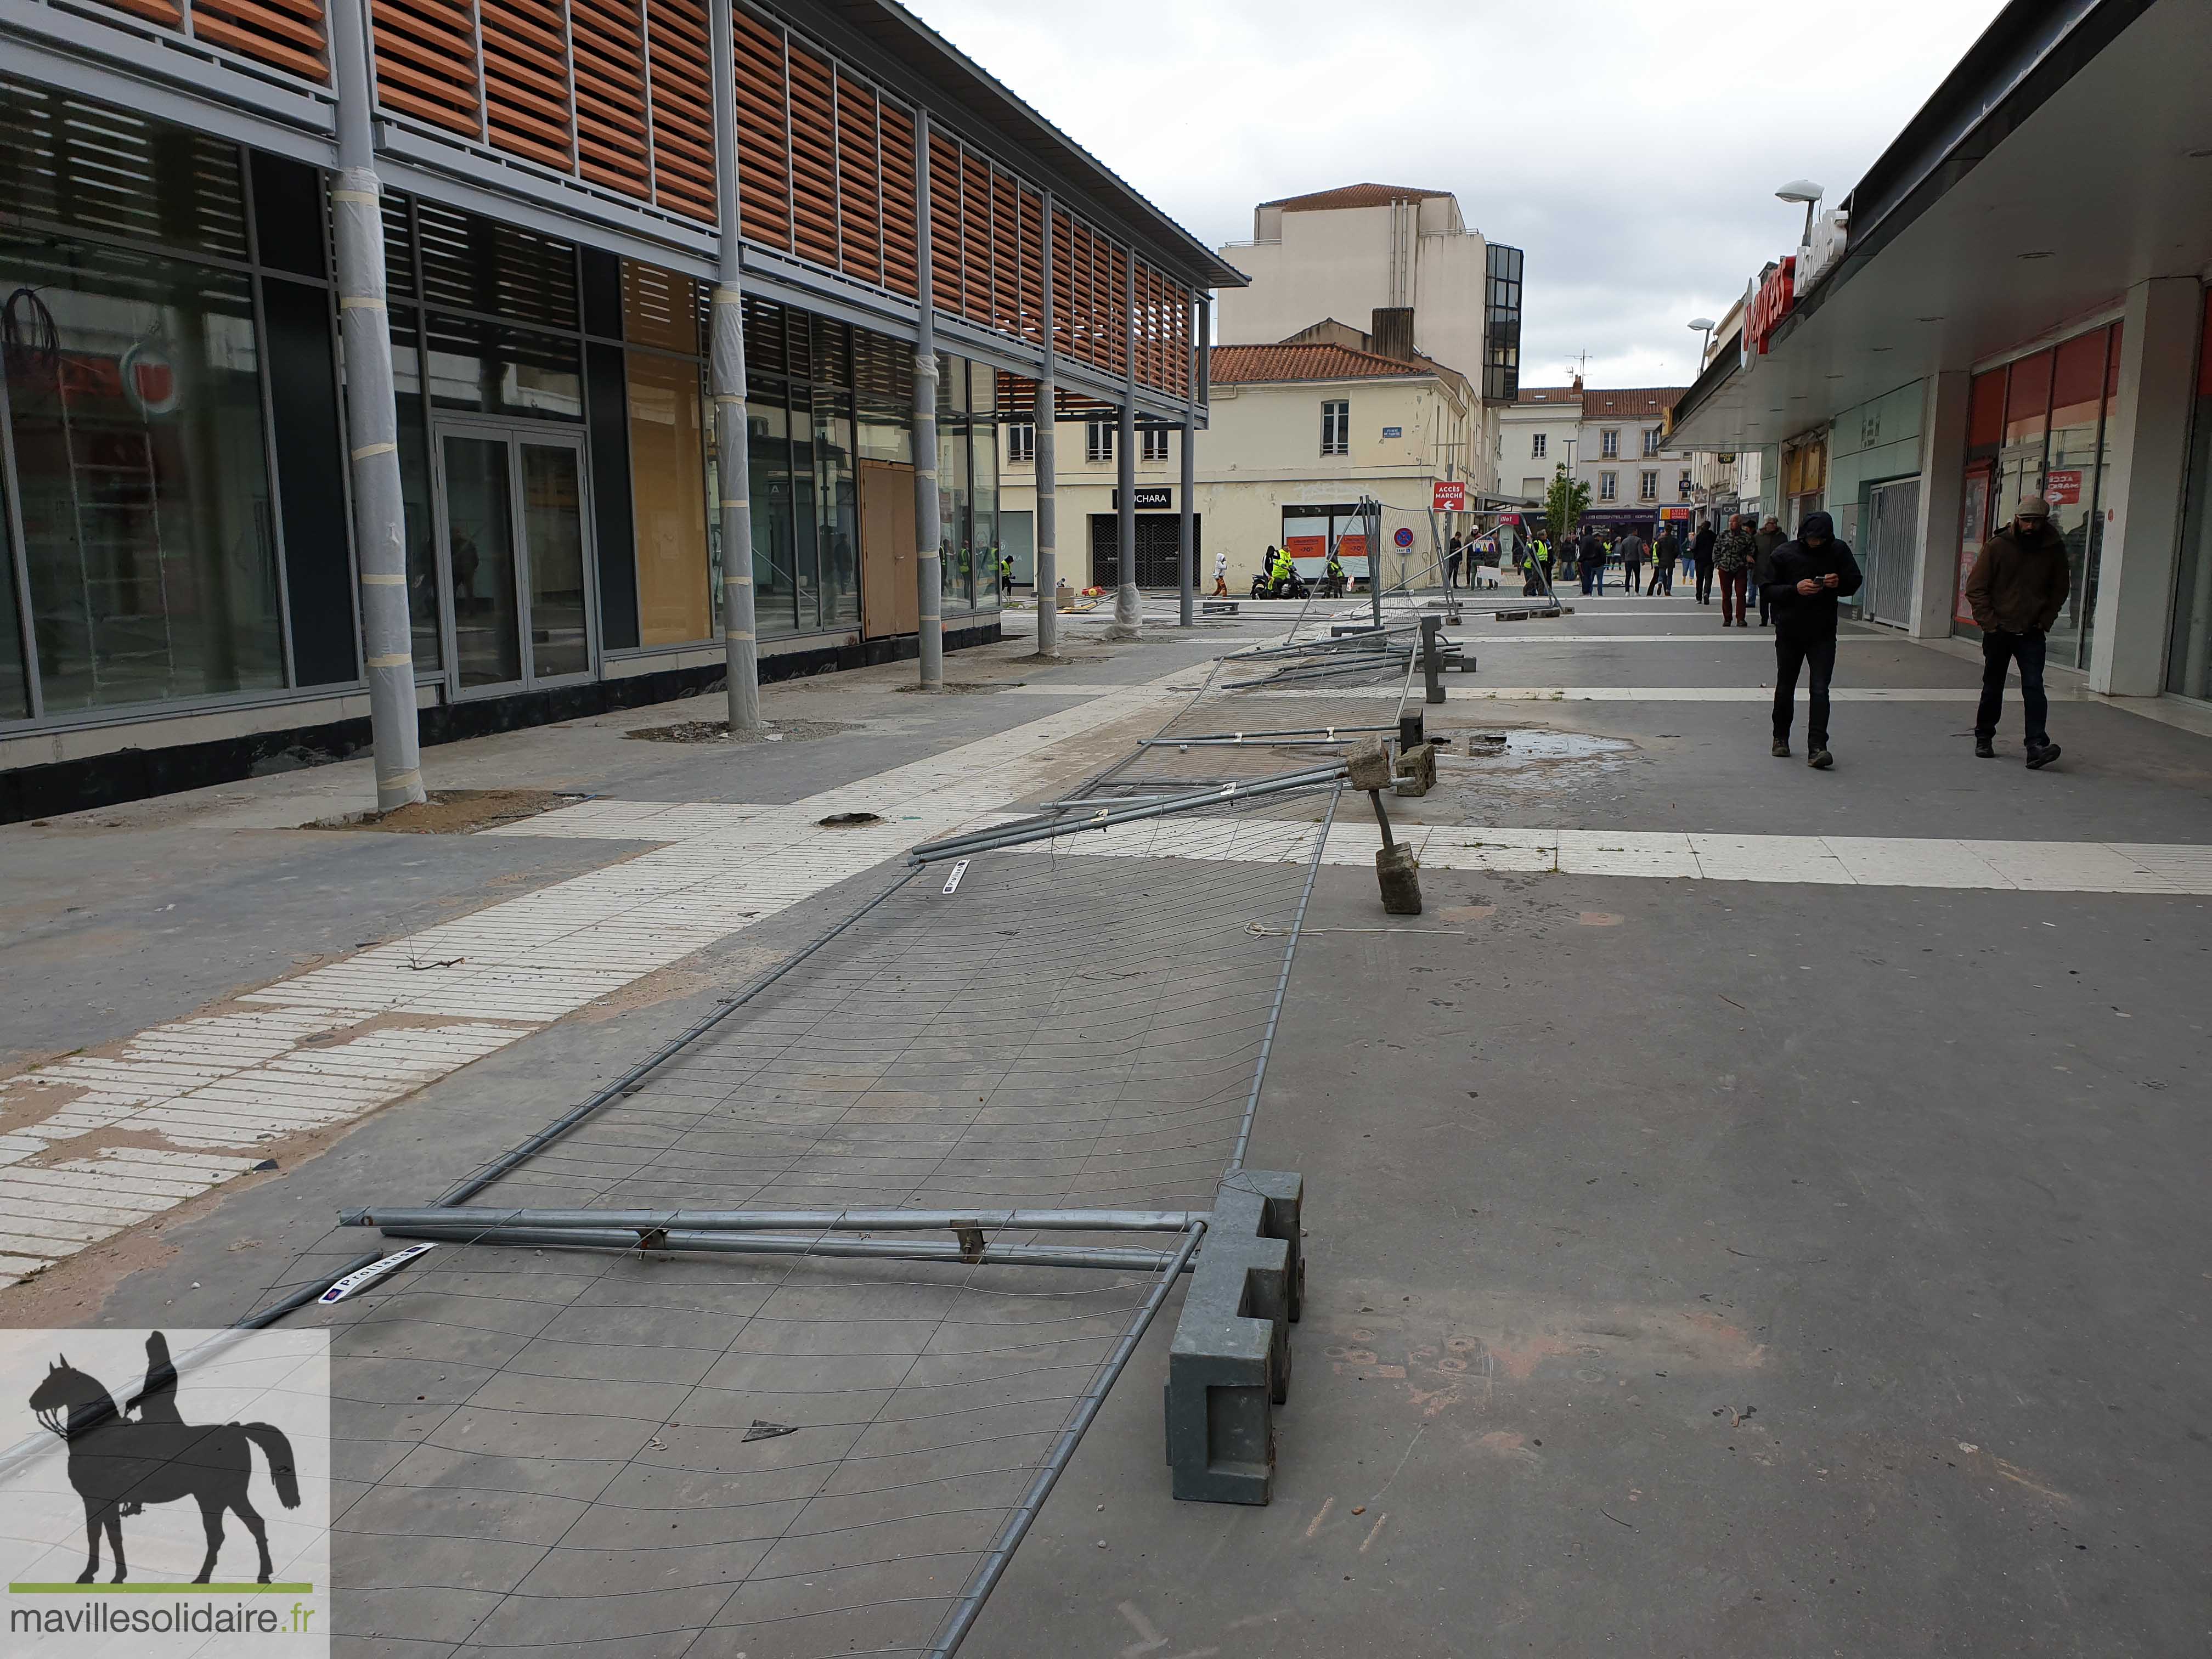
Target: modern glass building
[180, 589]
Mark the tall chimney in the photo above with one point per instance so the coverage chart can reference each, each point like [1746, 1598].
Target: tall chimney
[1390, 332]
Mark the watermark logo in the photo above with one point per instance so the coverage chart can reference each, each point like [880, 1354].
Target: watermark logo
[165, 1491]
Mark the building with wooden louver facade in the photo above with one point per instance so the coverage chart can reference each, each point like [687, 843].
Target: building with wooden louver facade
[182, 448]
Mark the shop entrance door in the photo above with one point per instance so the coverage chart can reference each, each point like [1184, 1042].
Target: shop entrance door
[890, 602]
[514, 534]
[1892, 515]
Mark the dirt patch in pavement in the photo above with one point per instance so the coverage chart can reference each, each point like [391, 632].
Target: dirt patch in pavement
[454, 812]
[719, 732]
[728, 972]
[960, 687]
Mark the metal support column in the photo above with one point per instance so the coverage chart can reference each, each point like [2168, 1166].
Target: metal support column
[929, 529]
[1046, 455]
[1188, 546]
[379, 528]
[1371, 516]
[732, 461]
[1127, 613]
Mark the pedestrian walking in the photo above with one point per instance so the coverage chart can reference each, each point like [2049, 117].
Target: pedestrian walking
[1632, 550]
[1005, 574]
[1452, 555]
[1733, 557]
[1220, 573]
[2021, 582]
[1806, 577]
[1701, 559]
[1770, 535]
[1664, 555]
[1589, 554]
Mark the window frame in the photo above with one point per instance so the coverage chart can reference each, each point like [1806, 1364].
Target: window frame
[1608, 443]
[1021, 441]
[1336, 413]
[1608, 486]
[1647, 484]
[1539, 444]
[1099, 438]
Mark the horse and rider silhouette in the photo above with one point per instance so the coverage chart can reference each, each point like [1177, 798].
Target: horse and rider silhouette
[120, 1464]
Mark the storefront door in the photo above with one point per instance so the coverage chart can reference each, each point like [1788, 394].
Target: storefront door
[514, 534]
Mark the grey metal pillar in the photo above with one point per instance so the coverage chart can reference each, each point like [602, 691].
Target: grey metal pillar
[1126, 612]
[1189, 504]
[733, 458]
[928, 527]
[380, 524]
[1046, 455]
[1370, 517]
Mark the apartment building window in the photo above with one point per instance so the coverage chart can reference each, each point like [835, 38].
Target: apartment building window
[1538, 443]
[1021, 441]
[1609, 442]
[1099, 440]
[1647, 487]
[1155, 443]
[1608, 486]
[1651, 440]
[1336, 427]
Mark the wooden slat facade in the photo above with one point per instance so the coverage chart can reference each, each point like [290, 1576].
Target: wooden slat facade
[614, 94]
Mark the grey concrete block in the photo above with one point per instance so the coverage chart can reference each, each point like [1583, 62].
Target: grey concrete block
[1399, 874]
[1230, 1364]
[1417, 770]
[1370, 764]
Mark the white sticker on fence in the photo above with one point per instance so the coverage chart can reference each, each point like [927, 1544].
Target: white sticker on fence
[360, 1279]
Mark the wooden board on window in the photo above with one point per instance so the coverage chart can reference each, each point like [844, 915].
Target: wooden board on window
[890, 602]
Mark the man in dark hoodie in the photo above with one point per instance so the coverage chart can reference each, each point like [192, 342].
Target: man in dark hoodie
[2019, 583]
[1701, 559]
[1805, 578]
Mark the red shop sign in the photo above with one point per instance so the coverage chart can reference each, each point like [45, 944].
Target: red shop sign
[1776, 298]
[2063, 488]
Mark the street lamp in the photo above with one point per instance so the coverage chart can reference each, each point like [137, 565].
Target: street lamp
[1805, 191]
[1705, 346]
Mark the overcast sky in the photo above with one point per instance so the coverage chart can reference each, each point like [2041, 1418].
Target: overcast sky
[1632, 149]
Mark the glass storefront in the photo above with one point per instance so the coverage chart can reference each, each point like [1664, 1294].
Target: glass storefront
[175, 511]
[2040, 425]
[135, 417]
[2189, 660]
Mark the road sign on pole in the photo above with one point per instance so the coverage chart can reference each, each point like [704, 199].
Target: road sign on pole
[1448, 497]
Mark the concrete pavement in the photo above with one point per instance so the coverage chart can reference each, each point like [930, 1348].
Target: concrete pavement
[1673, 1240]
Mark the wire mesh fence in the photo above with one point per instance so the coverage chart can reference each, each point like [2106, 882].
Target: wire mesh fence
[651, 1453]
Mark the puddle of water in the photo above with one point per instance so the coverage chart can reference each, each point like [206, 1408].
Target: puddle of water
[1524, 745]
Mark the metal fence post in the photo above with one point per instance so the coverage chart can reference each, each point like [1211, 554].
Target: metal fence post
[379, 518]
[1188, 548]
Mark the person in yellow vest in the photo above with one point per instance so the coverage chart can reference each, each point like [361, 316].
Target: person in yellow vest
[1283, 573]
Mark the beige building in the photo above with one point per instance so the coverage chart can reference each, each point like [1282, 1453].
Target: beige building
[1301, 430]
[1359, 249]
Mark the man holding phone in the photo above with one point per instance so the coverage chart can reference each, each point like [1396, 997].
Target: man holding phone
[1805, 579]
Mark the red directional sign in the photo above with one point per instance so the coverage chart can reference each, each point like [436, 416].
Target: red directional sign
[1448, 497]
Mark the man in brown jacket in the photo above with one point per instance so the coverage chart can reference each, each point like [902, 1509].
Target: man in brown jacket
[2019, 585]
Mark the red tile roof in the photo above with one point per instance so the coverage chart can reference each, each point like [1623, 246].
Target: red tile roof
[1243, 365]
[1353, 196]
[1643, 402]
[1635, 402]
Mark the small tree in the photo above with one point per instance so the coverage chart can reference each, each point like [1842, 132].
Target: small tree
[1564, 505]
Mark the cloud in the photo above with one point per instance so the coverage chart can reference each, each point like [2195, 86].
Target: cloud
[1632, 149]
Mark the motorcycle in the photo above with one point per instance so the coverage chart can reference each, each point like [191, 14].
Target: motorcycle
[1264, 587]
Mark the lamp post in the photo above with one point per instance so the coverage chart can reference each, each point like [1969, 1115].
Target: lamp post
[1705, 324]
[1805, 191]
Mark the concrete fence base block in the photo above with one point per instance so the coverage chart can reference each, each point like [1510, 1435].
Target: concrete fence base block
[1370, 761]
[1400, 877]
[1417, 770]
[1230, 1365]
